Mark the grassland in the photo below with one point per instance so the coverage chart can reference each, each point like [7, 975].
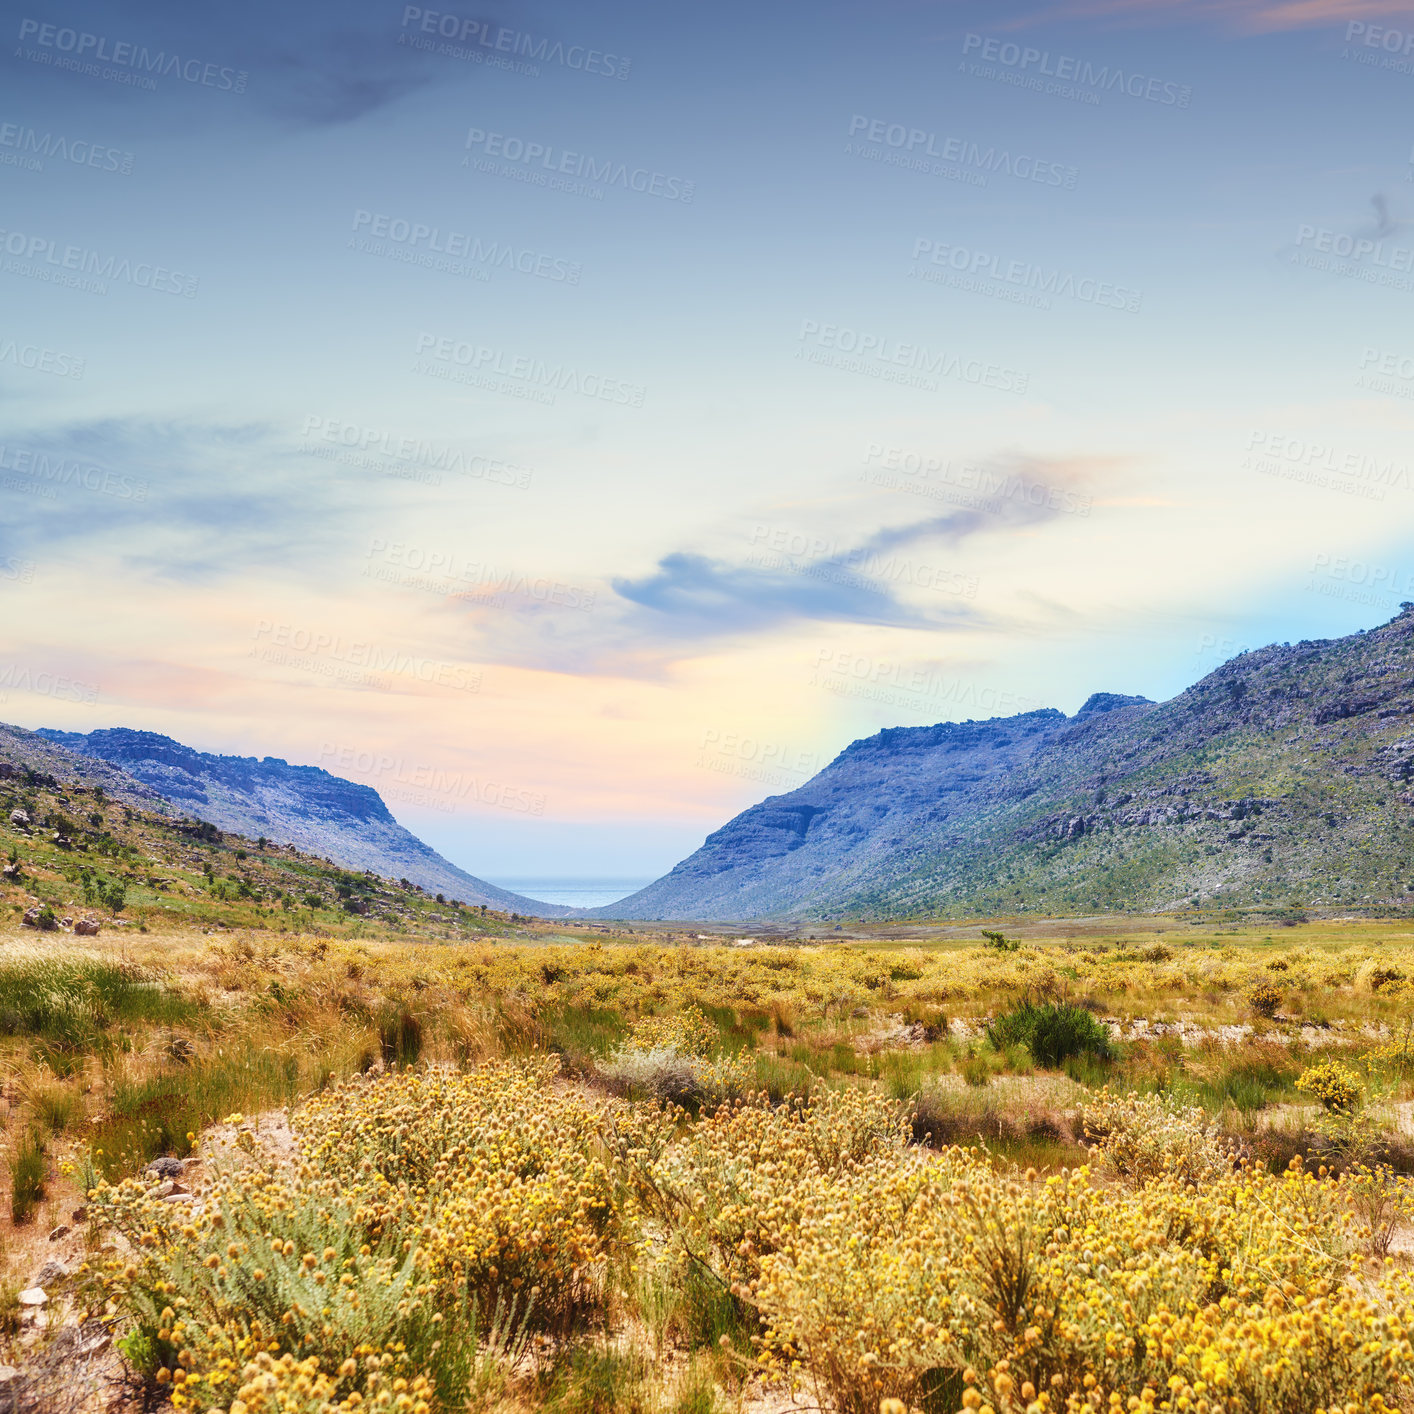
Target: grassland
[657, 1105]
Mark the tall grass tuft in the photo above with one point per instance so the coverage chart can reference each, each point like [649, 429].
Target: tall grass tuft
[399, 1035]
[26, 1177]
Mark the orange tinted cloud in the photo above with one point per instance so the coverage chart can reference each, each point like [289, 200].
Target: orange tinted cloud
[1253, 16]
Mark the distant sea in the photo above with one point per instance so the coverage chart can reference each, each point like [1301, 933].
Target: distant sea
[573, 893]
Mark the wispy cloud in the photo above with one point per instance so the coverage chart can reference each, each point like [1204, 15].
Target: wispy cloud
[904, 575]
[183, 500]
[714, 597]
[308, 66]
[1251, 16]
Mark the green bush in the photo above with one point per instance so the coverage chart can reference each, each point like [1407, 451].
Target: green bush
[1053, 1033]
[26, 1177]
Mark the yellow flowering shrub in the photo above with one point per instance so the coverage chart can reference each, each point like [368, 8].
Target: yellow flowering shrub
[1331, 1082]
[1142, 1137]
[669, 1058]
[275, 1266]
[425, 1203]
[899, 1278]
[1264, 998]
[738, 1183]
[500, 1174]
[686, 1031]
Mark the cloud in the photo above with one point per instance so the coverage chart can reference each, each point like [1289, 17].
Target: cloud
[711, 597]
[311, 66]
[185, 500]
[1252, 16]
[903, 576]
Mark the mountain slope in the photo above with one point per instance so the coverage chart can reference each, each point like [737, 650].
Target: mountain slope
[1282, 778]
[85, 843]
[303, 805]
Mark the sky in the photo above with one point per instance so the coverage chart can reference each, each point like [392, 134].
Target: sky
[579, 423]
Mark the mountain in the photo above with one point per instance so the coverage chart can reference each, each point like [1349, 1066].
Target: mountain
[27, 756]
[86, 843]
[1283, 779]
[305, 806]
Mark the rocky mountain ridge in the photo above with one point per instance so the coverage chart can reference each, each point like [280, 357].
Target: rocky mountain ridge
[1281, 780]
[305, 806]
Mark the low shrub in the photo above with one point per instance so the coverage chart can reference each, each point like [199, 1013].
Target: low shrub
[1264, 998]
[1333, 1084]
[1144, 1137]
[667, 1059]
[1053, 1032]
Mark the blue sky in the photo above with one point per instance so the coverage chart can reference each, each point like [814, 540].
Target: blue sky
[580, 438]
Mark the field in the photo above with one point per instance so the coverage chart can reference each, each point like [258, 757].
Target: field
[1082, 1166]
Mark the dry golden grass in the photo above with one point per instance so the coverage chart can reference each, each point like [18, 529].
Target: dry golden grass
[117, 1049]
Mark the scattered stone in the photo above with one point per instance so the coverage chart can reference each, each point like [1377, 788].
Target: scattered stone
[166, 1167]
[164, 1188]
[180, 1049]
[11, 872]
[8, 1373]
[19, 818]
[50, 1274]
[86, 928]
[79, 1215]
[41, 917]
[34, 1296]
[62, 1230]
